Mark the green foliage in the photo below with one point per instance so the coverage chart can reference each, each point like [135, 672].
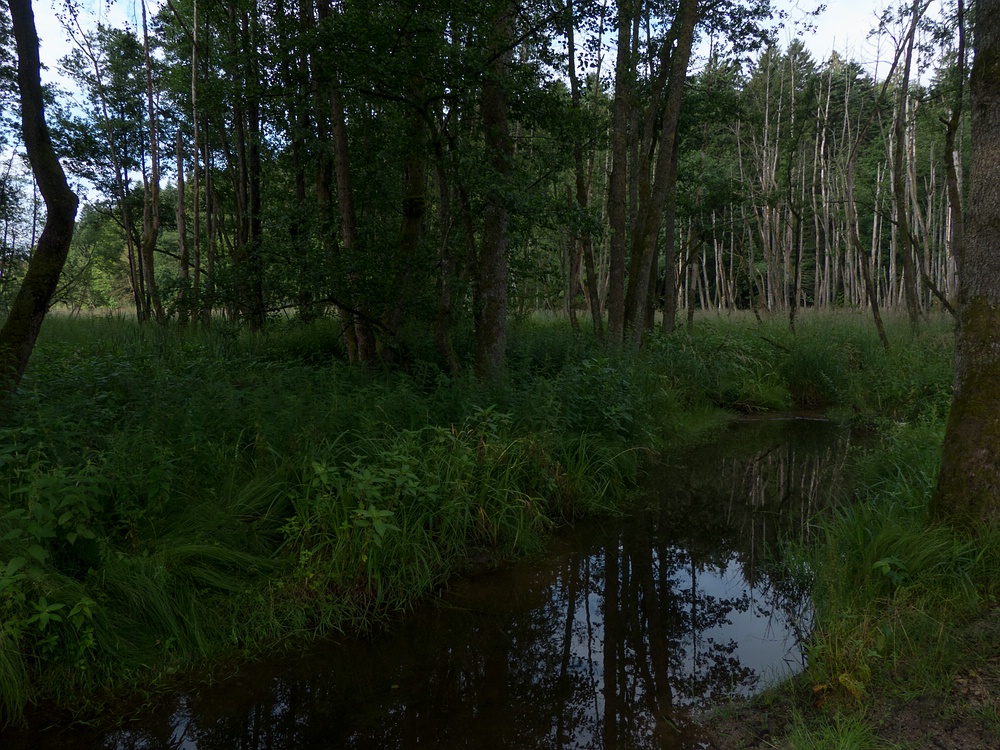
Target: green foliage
[888, 589]
[168, 495]
[179, 494]
[602, 398]
[833, 361]
[842, 733]
[729, 367]
[96, 274]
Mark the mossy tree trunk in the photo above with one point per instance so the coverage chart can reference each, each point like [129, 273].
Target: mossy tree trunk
[968, 488]
[19, 332]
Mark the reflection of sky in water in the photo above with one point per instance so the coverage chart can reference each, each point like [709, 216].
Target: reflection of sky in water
[182, 723]
[738, 645]
[606, 643]
[766, 642]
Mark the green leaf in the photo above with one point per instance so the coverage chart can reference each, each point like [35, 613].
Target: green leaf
[15, 564]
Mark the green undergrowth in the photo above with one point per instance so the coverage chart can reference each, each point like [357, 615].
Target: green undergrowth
[885, 563]
[172, 495]
[897, 599]
[832, 363]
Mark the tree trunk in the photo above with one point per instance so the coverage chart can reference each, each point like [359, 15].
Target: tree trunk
[442, 322]
[618, 182]
[362, 333]
[669, 306]
[952, 161]
[855, 243]
[196, 155]
[904, 245]
[968, 490]
[650, 215]
[20, 330]
[585, 247]
[490, 304]
[182, 241]
[151, 193]
[256, 307]
[414, 209]
[324, 178]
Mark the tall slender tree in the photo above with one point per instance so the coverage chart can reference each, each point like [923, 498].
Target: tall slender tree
[491, 282]
[20, 330]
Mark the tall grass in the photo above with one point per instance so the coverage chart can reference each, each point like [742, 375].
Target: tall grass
[890, 590]
[169, 495]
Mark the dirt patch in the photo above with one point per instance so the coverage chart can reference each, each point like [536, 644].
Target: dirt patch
[759, 723]
[928, 722]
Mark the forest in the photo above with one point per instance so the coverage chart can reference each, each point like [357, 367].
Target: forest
[361, 296]
[435, 167]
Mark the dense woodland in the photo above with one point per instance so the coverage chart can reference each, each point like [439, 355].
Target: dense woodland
[442, 166]
[573, 237]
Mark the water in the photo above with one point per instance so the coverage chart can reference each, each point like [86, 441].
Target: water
[622, 633]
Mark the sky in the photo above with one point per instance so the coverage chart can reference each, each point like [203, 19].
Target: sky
[52, 38]
[843, 27]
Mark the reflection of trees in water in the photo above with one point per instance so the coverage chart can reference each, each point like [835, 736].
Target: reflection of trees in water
[768, 487]
[604, 648]
[776, 492]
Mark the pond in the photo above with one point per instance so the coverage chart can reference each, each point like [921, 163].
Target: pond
[618, 637]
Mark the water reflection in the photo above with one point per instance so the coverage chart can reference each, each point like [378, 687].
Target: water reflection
[608, 642]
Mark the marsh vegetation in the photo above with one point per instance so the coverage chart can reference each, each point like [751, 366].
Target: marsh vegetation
[176, 496]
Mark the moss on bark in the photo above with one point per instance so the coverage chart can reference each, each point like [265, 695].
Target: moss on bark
[968, 488]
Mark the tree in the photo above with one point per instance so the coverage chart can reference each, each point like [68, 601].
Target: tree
[645, 120]
[107, 65]
[462, 177]
[19, 332]
[491, 282]
[151, 189]
[8, 80]
[905, 243]
[968, 489]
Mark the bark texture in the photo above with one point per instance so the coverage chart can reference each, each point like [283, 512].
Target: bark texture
[17, 338]
[968, 490]
[491, 281]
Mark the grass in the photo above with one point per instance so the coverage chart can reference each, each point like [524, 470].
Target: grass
[891, 586]
[172, 495]
[901, 605]
[841, 733]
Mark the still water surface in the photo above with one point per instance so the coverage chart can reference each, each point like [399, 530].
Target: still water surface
[614, 639]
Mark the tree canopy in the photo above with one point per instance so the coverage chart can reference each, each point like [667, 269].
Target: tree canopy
[440, 166]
